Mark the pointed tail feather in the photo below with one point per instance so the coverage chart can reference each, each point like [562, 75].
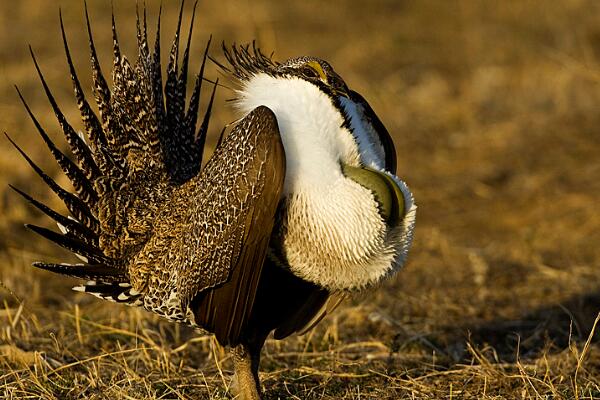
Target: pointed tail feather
[76, 207]
[98, 272]
[120, 292]
[72, 226]
[74, 245]
[101, 90]
[83, 187]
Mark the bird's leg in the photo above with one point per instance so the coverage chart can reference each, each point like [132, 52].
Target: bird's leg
[246, 359]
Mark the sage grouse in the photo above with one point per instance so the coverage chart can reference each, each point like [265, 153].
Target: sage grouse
[296, 208]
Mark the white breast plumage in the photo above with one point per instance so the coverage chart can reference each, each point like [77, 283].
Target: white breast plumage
[333, 233]
[310, 129]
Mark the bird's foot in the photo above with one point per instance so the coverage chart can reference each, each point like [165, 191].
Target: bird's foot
[245, 384]
[243, 390]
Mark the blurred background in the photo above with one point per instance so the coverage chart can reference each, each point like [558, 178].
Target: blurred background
[494, 108]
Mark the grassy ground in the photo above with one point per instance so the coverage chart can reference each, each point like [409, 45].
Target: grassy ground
[494, 108]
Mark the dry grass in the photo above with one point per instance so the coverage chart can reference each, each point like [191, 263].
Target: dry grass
[494, 107]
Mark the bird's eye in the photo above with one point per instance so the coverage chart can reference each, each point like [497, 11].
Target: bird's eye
[309, 72]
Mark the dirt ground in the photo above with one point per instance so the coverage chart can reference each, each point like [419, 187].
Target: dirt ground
[495, 112]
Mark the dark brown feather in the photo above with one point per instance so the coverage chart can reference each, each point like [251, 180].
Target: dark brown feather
[76, 207]
[99, 272]
[284, 303]
[384, 136]
[213, 234]
[83, 187]
[73, 227]
[75, 245]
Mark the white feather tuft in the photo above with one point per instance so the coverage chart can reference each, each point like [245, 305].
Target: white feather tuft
[82, 258]
[62, 228]
[83, 138]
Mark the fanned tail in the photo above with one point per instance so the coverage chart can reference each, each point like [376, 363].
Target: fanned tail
[142, 144]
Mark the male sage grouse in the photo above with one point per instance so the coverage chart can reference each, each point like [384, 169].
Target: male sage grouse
[297, 207]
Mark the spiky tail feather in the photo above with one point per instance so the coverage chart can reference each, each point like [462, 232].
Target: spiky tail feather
[116, 292]
[141, 126]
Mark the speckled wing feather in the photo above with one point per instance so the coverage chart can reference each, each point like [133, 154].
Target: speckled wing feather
[210, 240]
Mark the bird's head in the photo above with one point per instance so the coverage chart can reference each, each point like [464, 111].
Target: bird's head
[316, 71]
[349, 211]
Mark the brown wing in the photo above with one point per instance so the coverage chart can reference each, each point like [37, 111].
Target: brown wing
[318, 304]
[332, 302]
[209, 243]
[288, 304]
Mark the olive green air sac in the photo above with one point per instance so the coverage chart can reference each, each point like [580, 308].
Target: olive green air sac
[386, 191]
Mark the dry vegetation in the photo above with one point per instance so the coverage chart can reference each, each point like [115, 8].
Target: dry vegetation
[494, 108]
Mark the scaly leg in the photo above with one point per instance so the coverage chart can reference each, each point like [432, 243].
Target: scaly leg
[246, 359]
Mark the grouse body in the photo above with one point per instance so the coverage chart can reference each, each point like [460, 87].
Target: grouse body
[297, 207]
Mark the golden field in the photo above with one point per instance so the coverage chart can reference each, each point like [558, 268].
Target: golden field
[495, 112]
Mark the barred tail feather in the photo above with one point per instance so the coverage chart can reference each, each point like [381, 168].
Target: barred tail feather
[101, 90]
[118, 292]
[76, 207]
[179, 139]
[74, 245]
[192, 113]
[71, 226]
[157, 87]
[203, 131]
[78, 146]
[171, 138]
[119, 130]
[142, 33]
[83, 187]
[85, 271]
[144, 68]
[182, 80]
